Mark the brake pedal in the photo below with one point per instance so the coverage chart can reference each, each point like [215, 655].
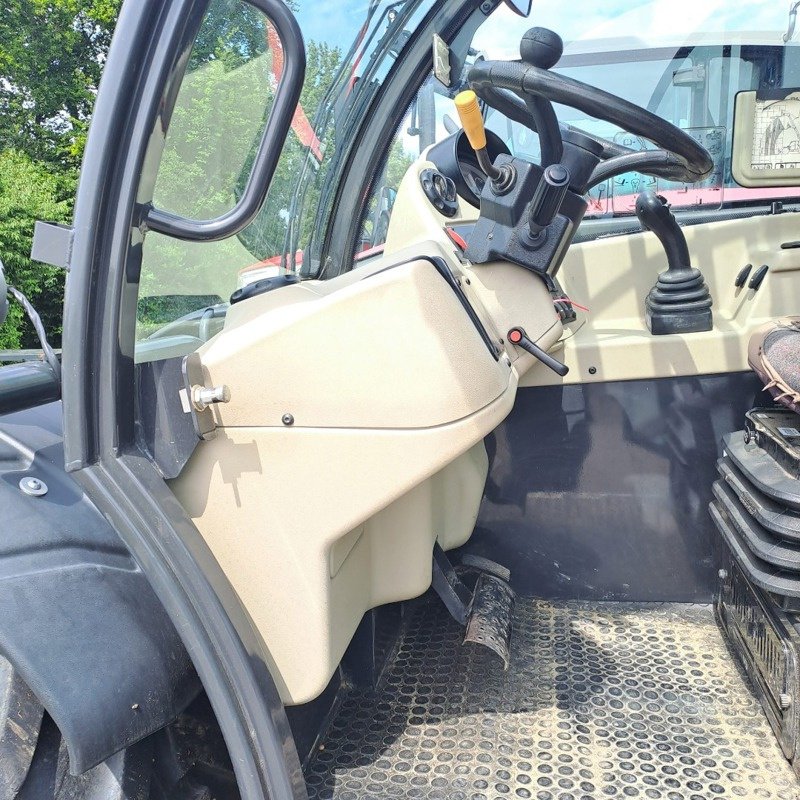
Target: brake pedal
[487, 611]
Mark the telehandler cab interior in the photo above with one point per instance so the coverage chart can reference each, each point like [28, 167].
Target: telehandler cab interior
[426, 424]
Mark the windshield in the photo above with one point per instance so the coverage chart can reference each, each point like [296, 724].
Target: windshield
[681, 59]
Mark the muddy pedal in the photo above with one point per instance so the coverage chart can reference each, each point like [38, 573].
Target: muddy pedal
[485, 611]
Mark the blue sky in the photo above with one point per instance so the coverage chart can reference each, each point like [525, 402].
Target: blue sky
[649, 21]
[338, 21]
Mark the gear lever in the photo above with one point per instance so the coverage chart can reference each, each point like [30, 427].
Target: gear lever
[680, 301]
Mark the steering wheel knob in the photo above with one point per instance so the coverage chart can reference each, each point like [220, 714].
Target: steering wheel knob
[541, 47]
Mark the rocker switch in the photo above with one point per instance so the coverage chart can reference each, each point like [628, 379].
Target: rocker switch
[518, 337]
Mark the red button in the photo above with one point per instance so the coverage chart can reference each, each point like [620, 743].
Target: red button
[515, 337]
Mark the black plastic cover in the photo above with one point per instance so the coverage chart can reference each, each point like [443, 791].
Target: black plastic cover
[80, 622]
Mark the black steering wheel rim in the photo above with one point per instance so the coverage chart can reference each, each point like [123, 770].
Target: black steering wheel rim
[679, 157]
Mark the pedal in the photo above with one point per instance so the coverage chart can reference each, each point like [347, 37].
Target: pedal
[491, 615]
[487, 611]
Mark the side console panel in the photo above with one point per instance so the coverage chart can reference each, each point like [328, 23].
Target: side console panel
[353, 440]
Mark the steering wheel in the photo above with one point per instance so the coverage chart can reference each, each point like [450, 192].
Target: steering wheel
[524, 91]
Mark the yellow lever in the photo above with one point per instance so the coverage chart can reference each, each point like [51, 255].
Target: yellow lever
[471, 118]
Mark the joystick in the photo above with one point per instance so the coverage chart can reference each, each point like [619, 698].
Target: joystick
[680, 301]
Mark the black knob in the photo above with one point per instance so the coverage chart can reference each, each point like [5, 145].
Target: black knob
[541, 47]
[548, 197]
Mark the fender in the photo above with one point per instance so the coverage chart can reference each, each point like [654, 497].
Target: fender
[80, 622]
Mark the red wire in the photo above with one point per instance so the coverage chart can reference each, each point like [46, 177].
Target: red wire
[571, 302]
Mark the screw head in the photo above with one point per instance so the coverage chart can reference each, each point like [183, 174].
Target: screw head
[287, 419]
[592, 370]
[33, 487]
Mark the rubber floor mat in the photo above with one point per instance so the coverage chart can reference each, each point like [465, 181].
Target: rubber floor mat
[602, 700]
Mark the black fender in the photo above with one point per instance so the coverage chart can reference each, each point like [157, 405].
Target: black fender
[78, 619]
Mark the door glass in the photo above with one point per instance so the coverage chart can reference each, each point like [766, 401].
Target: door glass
[222, 107]
[216, 125]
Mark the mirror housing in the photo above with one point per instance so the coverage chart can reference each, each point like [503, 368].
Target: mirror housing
[521, 7]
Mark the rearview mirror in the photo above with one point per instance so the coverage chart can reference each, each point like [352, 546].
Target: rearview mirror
[521, 7]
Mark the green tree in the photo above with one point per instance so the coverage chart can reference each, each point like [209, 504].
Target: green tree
[51, 55]
[29, 191]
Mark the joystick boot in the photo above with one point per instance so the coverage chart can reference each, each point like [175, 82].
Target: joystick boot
[680, 301]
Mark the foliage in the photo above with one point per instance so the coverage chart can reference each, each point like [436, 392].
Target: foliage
[51, 55]
[28, 191]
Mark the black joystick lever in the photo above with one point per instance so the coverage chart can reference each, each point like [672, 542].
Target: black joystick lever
[680, 301]
[548, 197]
[518, 337]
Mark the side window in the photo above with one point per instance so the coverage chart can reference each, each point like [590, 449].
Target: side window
[404, 149]
[215, 127]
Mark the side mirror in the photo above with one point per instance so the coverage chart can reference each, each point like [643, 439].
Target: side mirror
[3, 295]
[521, 7]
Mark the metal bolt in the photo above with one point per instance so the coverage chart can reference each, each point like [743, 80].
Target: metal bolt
[722, 574]
[202, 397]
[592, 370]
[33, 486]
[287, 419]
[785, 701]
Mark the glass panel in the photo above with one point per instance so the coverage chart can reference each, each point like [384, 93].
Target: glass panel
[220, 112]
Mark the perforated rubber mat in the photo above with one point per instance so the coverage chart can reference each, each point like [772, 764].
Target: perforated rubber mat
[605, 700]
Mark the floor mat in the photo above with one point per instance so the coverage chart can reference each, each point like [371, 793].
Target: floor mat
[602, 700]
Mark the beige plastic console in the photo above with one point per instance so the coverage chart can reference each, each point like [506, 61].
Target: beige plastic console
[353, 440]
[612, 276]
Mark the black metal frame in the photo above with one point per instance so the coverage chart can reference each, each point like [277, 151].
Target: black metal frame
[99, 402]
[366, 158]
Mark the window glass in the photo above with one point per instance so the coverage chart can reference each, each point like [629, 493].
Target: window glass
[680, 59]
[220, 112]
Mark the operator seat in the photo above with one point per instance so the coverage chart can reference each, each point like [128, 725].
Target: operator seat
[774, 354]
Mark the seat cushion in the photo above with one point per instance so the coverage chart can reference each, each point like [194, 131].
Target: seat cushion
[774, 353]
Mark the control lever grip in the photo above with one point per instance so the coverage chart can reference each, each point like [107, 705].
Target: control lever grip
[518, 337]
[654, 215]
[469, 112]
[547, 198]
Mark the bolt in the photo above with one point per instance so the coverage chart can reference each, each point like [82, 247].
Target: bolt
[785, 701]
[723, 574]
[202, 398]
[593, 370]
[33, 487]
[287, 419]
